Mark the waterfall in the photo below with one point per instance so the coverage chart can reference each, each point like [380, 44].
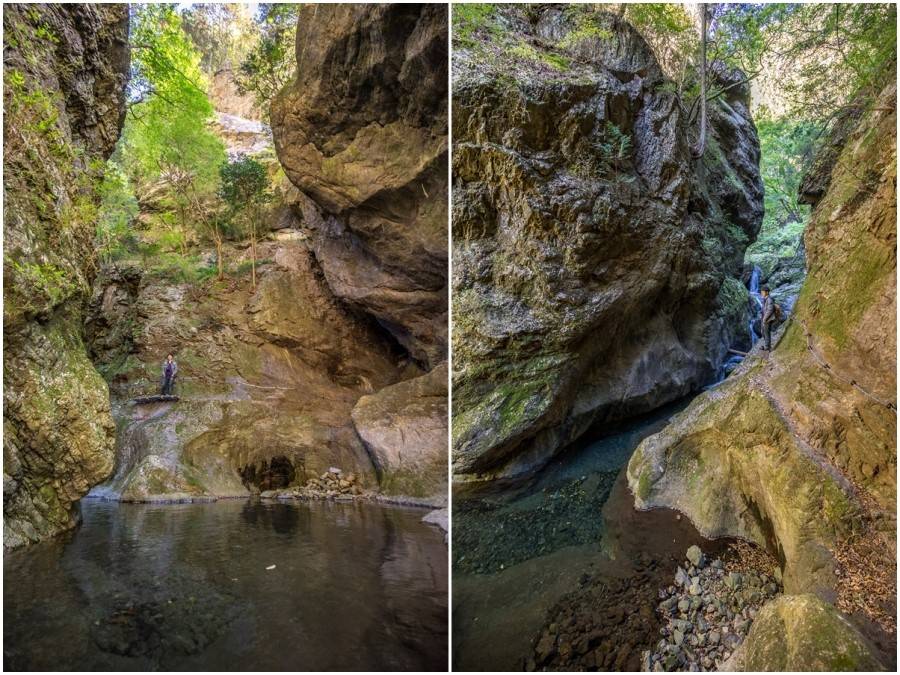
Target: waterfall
[756, 303]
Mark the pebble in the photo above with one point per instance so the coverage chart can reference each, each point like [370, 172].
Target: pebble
[706, 614]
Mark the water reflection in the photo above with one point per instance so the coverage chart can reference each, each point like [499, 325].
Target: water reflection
[353, 587]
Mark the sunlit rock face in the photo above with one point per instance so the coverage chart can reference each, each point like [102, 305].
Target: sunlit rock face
[65, 70]
[796, 450]
[267, 378]
[362, 131]
[596, 264]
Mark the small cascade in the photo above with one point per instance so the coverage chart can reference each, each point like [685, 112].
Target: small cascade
[755, 302]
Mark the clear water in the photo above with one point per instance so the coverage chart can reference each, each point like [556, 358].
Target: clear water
[186, 587]
[520, 547]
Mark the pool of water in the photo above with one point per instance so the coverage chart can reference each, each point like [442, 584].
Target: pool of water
[522, 549]
[503, 523]
[232, 585]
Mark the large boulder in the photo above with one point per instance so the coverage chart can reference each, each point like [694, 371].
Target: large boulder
[362, 130]
[802, 633]
[65, 68]
[404, 427]
[596, 264]
[797, 449]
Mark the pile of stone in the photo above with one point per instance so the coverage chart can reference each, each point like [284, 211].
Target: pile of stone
[706, 614]
[333, 484]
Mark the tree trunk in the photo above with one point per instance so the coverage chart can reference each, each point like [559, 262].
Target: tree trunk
[253, 255]
[219, 261]
[701, 142]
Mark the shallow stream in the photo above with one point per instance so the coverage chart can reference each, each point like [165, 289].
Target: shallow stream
[524, 550]
[232, 585]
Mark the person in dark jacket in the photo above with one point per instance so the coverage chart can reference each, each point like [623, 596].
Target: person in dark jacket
[768, 316]
[169, 370]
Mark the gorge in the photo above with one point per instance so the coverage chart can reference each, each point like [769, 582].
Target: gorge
[603, 426]
[310, 336]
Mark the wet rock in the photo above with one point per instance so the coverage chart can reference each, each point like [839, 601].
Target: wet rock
[70, 63]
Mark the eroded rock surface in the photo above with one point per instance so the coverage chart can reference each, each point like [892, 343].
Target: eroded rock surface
[267, 379]
[596, 265]
[802, 632]
[64, 91]
[796, 451]
[404, 427]
[362, 131]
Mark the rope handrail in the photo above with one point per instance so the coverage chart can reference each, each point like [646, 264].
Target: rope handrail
[890, 405]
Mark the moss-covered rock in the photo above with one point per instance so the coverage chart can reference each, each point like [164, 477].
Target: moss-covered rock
[796, 450]
[803, 633]
[596, 264]
[64, 75]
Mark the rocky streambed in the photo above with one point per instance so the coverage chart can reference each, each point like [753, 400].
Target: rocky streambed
[708, 612]
[650, 619]
[560, 572]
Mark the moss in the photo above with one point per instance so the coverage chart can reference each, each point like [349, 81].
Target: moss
[837, 304]
[523, 50]
[471, 18]
[587, 27]
[643, 485]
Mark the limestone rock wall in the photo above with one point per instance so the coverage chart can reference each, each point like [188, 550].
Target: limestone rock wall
[362, 135]
[362, 131]
[796, 450]
[596, 265]
[267, 378]
[65, 68]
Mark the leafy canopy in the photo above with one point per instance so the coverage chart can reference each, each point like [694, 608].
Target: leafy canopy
[244, 183]
[271, 63]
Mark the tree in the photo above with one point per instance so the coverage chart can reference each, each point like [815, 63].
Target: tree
[166, 141]
[245, 190]
[224, 33]
[271, 63]
[118, 208]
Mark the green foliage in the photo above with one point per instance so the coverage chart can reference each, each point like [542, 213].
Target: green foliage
[272, 61]
[470, 18]
[604, 156]
[669, 31]
[244, 183]
[787, 145]
[858, 42]
[118, 208]
[224, 34]
[167, 149]
[586, 28]
[40, 285]
[525, 51]
[32, 113]
[166, 134]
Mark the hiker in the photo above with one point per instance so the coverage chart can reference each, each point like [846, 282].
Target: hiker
[768, 316]
[169, 370]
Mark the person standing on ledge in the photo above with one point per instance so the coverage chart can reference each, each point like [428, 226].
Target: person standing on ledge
[768, 316]
[169, 369]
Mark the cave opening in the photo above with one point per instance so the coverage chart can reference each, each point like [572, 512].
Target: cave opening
[276, 473]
